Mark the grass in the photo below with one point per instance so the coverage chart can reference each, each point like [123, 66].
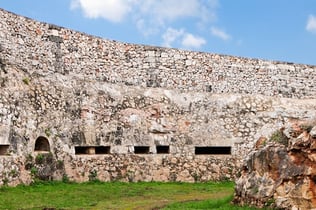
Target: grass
[118, 195]
[221, 204]
[279, 137]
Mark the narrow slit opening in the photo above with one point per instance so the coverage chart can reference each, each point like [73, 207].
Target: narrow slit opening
[217, 150]
[141, 149]
[84, 150]
[4, 149]
[162, 149]
[102, 150]
[92, 150]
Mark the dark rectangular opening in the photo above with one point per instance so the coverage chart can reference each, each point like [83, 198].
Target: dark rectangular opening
[84, 150]
[217, 150]
[4, 149]
[92, 150]
[162, 149]
[141, 149]
[81, 150]
[102, 150]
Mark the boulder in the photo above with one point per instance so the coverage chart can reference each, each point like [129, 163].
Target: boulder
[280, 175]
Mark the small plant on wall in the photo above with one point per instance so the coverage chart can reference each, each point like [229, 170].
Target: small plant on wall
[93, 175]
[65, 178]
[48, 132]
[34, 172]
[26, 80]
[14, 173]
[279, 137]
[39, 159]
[44, 167]
[196, 176]
[130, 175]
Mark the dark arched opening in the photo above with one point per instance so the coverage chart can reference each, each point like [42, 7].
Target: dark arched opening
[42, 144]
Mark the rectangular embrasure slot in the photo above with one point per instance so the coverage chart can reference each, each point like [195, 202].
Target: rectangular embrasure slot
[214, 150]
[4, 149]
[92, 150]
[141, 149]
[102, 150]
[83, 150]
[162, 149]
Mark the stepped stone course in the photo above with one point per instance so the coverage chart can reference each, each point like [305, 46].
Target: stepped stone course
[101, 109]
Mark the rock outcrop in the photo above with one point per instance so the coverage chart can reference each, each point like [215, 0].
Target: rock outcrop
[281, 172]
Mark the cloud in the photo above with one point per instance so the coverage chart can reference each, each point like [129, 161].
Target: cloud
[311, 24]
[152, 17]
[170, 36]
[220, 33]
[158, 15]
[169, 10]
[145, 29]
[151, 13]
[182, 39]
[112, 10]
[190, 41]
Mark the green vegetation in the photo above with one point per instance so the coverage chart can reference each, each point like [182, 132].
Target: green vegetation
[26, 80]
[93, 175]
[279, 137]
[221, 204]
[48, 132]
[39, 159]
[118, 195]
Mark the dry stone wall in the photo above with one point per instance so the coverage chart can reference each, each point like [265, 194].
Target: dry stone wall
[45, 49]
[82, 107]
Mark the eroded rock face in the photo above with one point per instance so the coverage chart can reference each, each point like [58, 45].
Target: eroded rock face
[281, 176]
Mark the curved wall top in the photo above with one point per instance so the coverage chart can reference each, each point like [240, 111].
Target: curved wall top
[42, 49]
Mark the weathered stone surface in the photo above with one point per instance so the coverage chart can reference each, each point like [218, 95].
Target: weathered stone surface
[312, 133]
[96, 101]
[43, 50]
[280, 176]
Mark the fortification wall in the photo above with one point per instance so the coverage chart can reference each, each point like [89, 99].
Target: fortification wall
[45, 49]
[83, 107]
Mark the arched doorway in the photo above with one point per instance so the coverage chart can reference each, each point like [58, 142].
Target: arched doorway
[42, 144]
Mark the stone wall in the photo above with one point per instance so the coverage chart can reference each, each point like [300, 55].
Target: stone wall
[43, 49]
[81, 107]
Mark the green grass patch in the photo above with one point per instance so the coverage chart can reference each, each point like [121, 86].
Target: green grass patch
[221, 204]
[279, 137]
[117, 195]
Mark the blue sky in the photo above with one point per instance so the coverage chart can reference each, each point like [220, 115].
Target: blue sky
[283, 30]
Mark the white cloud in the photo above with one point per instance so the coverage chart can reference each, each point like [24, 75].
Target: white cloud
[157, 15]
[171, 35]
[311, 24]
[220, 33]
[181, 38]
[152, 13]
[191, 41]
[112, 10]
[145, 29]
[151, 17]
[170, 10]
